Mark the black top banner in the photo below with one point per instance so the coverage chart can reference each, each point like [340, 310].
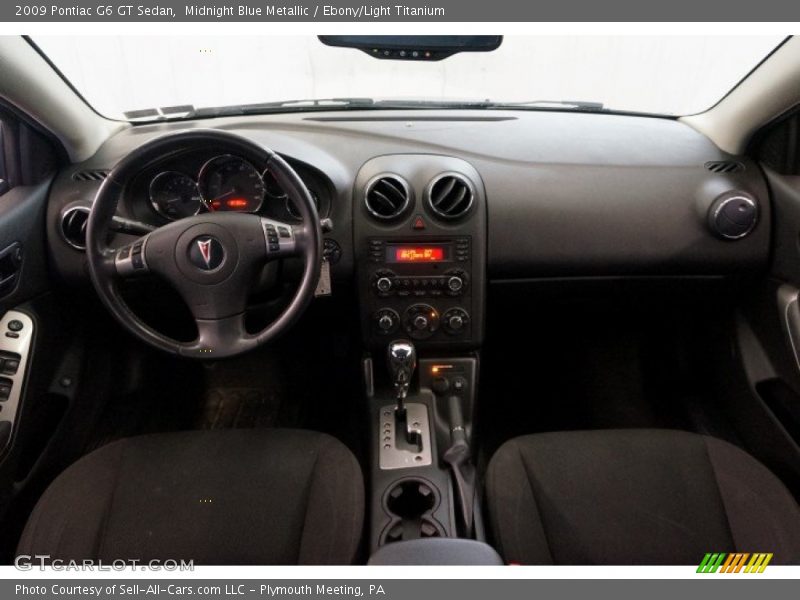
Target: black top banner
[492, 11]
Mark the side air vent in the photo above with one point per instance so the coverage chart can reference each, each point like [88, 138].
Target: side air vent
[73, 226]
[450, 196]
[724, 166]
[95, 175]
[387, 197]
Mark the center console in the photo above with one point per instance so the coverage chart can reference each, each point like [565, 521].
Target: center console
[419, 228]
[420, 242]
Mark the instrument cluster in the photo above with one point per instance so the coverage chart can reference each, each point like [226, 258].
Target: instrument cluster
[224, 182]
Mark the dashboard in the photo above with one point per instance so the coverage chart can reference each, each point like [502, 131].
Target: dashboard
[558, 195]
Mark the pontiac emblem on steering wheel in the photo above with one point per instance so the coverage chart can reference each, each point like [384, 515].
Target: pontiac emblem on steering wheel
[206, 253]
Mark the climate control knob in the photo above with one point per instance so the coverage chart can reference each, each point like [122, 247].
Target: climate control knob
[456, 321]
[420, 321]
[386, 321]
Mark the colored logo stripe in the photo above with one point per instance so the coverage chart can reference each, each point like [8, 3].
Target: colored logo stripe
[711, 562]
[758, 563]
[734, 562]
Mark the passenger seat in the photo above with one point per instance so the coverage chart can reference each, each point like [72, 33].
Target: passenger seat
[625, 497]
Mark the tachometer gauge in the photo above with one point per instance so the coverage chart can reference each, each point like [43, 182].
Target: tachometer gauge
[274, 190]
[175, 195]
[228, 183]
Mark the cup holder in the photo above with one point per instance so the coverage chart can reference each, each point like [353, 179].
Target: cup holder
[411, 503]
[409, 499]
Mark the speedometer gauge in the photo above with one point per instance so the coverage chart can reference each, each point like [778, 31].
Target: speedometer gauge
[228, 183]
[175, 195]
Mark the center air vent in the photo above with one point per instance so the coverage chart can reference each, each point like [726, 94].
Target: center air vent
[73, 226]
[450, 196]
[724, 166]
[387, 197]
[95, 175]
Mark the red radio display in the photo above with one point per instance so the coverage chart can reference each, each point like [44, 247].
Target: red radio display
[406, 254]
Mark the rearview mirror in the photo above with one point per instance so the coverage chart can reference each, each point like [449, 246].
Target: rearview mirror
[414, 47]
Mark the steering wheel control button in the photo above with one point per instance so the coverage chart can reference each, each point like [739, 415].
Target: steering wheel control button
[280, 238]
[272, 238]
[15, 325]
[130, 259]
[206, 253]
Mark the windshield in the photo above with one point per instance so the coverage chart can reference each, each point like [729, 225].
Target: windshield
[132, 77]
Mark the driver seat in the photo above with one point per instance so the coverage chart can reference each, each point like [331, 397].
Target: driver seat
[242, 497]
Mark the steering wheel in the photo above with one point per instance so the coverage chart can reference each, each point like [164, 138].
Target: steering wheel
[211, 259]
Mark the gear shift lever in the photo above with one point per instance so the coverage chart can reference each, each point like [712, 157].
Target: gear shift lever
[405, 436]
[402, 361]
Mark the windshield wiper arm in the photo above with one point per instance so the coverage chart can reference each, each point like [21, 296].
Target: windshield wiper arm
[304, 104]
[322, 104]
[190, 112]
[580, 105]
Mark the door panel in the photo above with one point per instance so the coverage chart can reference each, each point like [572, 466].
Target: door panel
[23, 254]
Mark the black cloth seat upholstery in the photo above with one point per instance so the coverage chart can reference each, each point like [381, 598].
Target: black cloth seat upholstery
[238, 497]
[635, 497]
